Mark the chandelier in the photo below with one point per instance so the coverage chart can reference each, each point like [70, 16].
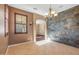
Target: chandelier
[51, 13]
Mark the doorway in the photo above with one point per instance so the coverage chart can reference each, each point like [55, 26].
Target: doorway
[40, 32]
[40, 29]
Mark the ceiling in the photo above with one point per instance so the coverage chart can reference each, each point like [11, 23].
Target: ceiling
[42, 9]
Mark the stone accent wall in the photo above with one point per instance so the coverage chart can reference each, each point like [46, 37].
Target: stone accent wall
[65, 27]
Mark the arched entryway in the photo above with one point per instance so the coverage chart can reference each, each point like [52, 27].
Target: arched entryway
[40, 30]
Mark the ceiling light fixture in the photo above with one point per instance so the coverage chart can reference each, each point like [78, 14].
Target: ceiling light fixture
[51, 12]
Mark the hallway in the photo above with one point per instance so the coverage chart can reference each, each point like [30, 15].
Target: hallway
[51, 48]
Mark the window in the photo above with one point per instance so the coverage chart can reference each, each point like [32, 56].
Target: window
[20, 23]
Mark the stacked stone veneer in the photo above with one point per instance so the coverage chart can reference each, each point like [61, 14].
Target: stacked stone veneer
[65, 27]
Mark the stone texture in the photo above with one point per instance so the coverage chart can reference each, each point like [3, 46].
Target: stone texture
[65, 27]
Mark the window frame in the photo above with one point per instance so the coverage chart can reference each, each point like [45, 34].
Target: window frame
[21, 23]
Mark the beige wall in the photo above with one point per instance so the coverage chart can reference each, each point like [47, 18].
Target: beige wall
[3, 39]
[19, 38]
[3, 44]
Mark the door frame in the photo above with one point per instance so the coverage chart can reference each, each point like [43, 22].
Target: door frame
[34, 30]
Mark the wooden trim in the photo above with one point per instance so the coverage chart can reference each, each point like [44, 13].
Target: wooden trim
[5, 8]
[15, 24]
[5, 20]
[32, 28]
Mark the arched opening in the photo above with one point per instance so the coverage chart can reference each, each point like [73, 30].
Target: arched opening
[40, 30]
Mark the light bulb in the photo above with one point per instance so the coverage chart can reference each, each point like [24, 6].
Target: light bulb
[55, 14]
